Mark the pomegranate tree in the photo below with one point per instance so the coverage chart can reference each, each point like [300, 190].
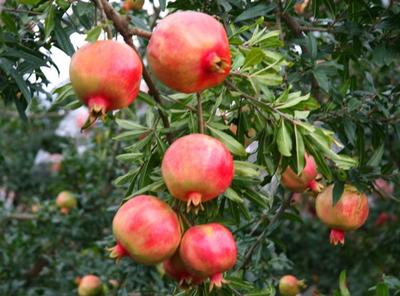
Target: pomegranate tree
[208, 250]
[175, 268]
[349, 213]
[197, 168]
[146, 229]
[90, 285]
[105, 76]
[66, 201]
[189, 52]
[305, 180]
[289, 285]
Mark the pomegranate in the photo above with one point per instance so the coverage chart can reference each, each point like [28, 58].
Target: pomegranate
[133, 5]
[384, 218]
[197, 168]
[146, 229]
[176, 269]
[189, 52]
[66, 201]
[384, 186]
[289, 285]
[105, 76]
[349, 213]
[207, 251]
[90, 285]
[306, 179]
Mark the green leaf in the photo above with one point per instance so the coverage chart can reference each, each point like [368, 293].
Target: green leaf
[93, 34]
[300, 150]
[128, 135]
[130, 125]
[29, 2]
[63, 93]
[233, 195]
[163, 4]
[126, 178]
[254, 57]
[19, 80]
[231, 143]
[255, 11]
[312, 46]
[342, 284]
[129, 156]
[338, 189]
[376, 156]
[284, 140]
[63, 4]
[291, 102]
[49, 21]
[153, 187]
[247, 169]
[382, 290]
[63, 41]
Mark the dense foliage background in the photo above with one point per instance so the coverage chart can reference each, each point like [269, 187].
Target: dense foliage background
[321, 76]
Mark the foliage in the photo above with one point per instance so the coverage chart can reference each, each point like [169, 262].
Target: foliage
[322, 80]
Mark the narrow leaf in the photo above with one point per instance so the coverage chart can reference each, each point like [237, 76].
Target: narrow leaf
[284, 140]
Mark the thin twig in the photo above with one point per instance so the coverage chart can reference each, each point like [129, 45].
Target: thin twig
[104, 19]
[200, 119]
[122, 26]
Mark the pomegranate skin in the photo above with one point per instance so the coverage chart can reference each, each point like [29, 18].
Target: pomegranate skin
[146, 229]
[289, 285]
[349, 213]
[197, 168]
[189, 52]
[105, 76]
[175, 268]
[66, 201]
[306, 179]
[208, 250]
[90, 285]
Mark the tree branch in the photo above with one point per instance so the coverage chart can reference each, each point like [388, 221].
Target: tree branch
[122, 25]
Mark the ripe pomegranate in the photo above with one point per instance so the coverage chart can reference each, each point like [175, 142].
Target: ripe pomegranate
[197, 168]
[289, 285]
[176, 269]
[384, 218]
[90, 285]
[105, 76]
[208, 250]
[146, 229]
[306, 179]
[133, 5]
[66, 201]
[189, 52]
[349, 213]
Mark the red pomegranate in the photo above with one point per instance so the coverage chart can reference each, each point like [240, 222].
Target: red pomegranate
[197, 168]
[90, 285]
[349, 213]
[146, 229]
[133, 4]
[189, 52]
[105, 76]
[306, 179]
[289, 285]
[176, 269]
[208, 250]
[66, 201]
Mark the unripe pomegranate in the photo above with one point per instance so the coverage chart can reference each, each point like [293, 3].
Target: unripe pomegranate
[133, 4]
[208, 250]
[66, 201]
[175, 268]
[90, 285]
[105, 76]
[349, 213]
[289, 285]
[306, 179]
[189, 52]
[197, 168]
[146, 229]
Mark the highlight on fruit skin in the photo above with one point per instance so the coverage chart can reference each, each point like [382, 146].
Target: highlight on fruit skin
[66, 201]
[176, 269]
[133, 5]
[349, 213]
[289, 285]
[90, 285]
[197, 168]
[208, 250]
[105, 76]
[146, 229]
[306, 180]
[189, 52]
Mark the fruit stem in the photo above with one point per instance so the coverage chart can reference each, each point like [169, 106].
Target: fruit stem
[336, 236]
[200, 119]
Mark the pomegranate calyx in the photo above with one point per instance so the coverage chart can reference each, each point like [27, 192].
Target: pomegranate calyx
[336, 237]
[117, 252]
[315, 186]
[194, 202]
[218, 65]
[217, 280]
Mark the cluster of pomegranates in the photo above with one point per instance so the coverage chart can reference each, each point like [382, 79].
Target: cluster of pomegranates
[196, 168]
